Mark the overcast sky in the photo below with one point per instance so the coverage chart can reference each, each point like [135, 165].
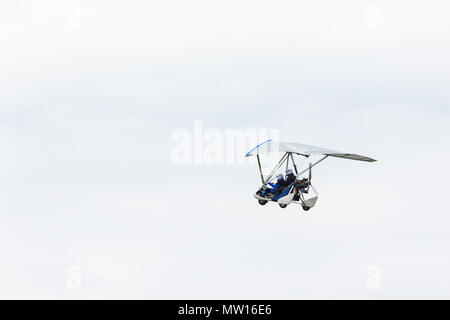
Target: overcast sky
[93, 206]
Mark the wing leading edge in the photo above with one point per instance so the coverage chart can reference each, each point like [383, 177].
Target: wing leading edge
[303, 149]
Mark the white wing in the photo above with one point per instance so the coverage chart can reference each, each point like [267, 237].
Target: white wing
[303, 149]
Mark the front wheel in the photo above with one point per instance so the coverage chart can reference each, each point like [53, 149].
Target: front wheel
[306, 208]
[282, 205]
[262, 202]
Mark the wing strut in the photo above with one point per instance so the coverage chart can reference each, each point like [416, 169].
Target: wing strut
[310, 171]
[287, 162]
[260, 170]
[312, 165]
[293, 162]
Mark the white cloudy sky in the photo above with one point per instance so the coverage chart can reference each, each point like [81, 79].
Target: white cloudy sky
[91, 92]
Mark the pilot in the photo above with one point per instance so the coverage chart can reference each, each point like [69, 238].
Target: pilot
[290, 177]
[278, 186]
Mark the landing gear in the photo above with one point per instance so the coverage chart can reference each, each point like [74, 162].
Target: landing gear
[262, 202]
[306, 208]
[282, 205]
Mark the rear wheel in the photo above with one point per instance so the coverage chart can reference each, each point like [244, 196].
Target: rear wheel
[282, 205]
[262, 202]
[306, 208]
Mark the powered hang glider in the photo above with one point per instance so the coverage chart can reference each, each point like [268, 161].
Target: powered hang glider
[293, 189]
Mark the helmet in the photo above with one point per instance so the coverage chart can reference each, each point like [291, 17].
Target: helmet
[280, 177]
[289, 171]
